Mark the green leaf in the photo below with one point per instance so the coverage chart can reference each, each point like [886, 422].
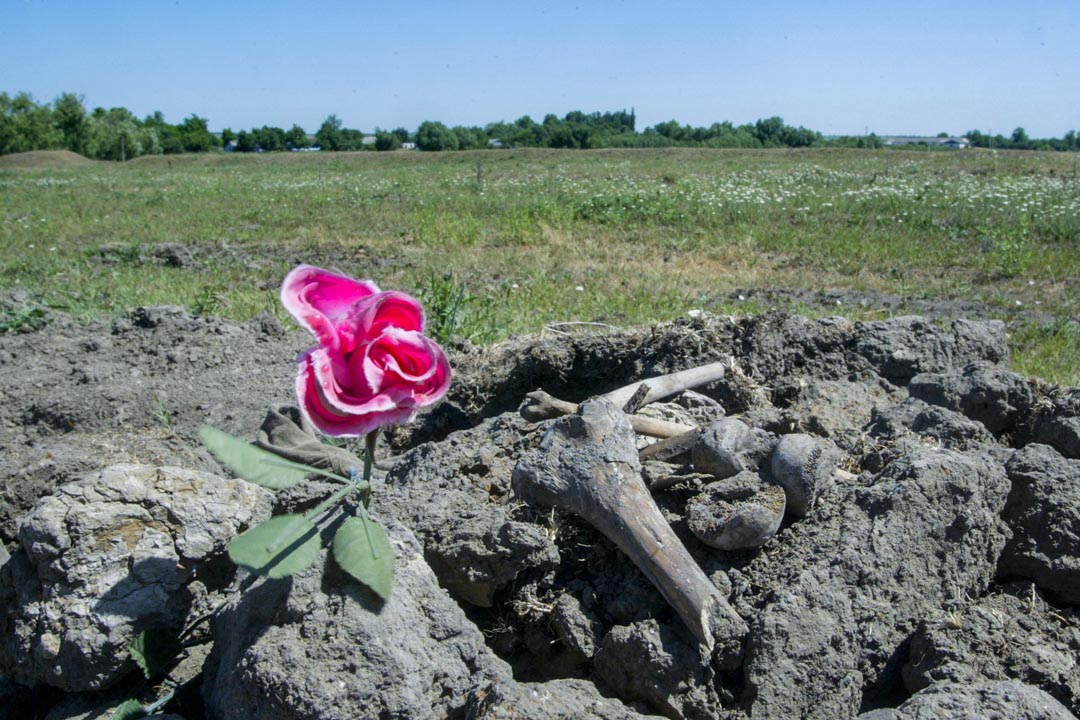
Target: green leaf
[281, 546]
[363, 550]
[153, 649]
[129, 710]
[250, 462]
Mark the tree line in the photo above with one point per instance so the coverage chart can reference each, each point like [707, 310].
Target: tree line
[117, 134]
[114, 134]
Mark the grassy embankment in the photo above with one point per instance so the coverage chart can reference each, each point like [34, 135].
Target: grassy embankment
[519, 239]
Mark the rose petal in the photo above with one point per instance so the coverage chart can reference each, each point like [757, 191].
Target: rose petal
[369, 317]
[407, 360]
[317, 406]
[320, 299]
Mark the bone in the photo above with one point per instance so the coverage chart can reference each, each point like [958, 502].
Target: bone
[736, 513]
[805, 466]
[724, 448]
[587, 464]
[667, 385]
[541, 406]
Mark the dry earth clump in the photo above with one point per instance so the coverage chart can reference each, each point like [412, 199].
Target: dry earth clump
[913, 580]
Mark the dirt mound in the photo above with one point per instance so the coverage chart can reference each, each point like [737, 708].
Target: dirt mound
[43, 159]
[899, 584]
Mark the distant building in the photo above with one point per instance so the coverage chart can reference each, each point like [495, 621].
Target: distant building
[955, 143]
[408, 146]
[495, 143]
[367, 140]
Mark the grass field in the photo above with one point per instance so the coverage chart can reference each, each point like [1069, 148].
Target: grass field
[518, 239]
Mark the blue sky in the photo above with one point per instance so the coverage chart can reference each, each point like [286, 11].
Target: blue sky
[840, 66]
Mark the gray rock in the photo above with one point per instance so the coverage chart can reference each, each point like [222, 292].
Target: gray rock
[803, 653]
[879, 714]
[553, 700]
[87, 395]
[997, 398]
[1062, 432]
[453, 495]
[901, 348]
[1000, 700]
[726, 447]
[831, 408]
[319, 645]
[656, 664]
[735, 523]
[803, 465]
[1009, 635]
[948, 427]
[37, 466]
[1044, 514]
[118, 551]
[925, 532]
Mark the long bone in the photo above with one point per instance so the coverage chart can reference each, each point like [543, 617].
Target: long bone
[541, 406]
[587, 463]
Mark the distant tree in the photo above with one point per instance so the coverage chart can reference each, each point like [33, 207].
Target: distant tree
[977, 139]
[435, 136]
[943, 134]
[351, 139]
[670, 129]
[469, 138]
[401, 135]
[385, 140]
[297, 137]
[26, 125]
[245, 141]
[69, 116]
[269, 139]
[769, 131]
[227, 136]
[168, 135]
[1020, 137]
[116, 134]
[328, 136]
[194, 134]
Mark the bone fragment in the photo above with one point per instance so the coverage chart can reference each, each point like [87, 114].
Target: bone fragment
[671, 448]
[541, 406]
[805, 466]
[668, 385]
[725, 447]
[587, 463]
[729, 517]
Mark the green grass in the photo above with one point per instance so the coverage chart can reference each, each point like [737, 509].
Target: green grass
[508, 237]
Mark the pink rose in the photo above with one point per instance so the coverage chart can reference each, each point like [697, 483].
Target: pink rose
[372, 366]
